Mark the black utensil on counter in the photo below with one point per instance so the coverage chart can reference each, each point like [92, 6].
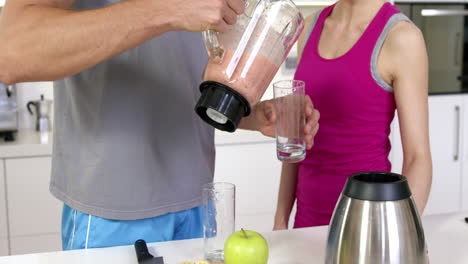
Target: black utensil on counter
[466, 219]
[143, 255]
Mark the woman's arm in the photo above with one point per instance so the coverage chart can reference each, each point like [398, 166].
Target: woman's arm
[286, 196]
[404, 56]
[287, 189]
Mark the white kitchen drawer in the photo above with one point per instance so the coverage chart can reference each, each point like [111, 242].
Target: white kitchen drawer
[255, 171]
[35, 244]
[3, 247]
[32, 209]
[3, 210]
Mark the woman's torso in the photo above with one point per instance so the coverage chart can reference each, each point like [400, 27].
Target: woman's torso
[357, 107]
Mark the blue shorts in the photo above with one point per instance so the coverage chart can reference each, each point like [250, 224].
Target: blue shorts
[81, 230]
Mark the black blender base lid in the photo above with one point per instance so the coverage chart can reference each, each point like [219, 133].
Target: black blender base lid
[221, 106]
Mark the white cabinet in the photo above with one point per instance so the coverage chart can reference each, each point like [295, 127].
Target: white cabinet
[34, 214]
[255, 171]
[3, 213]
[445, 129]
[4, 247]
[464, 156]
[3, 208]
[35, 244]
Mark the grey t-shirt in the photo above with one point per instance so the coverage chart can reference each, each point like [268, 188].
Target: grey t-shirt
[127, 142]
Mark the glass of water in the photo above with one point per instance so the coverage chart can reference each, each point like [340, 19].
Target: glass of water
[289, 107]
[218, 218]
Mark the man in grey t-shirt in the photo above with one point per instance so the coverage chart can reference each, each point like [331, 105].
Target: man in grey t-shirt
[130, 155]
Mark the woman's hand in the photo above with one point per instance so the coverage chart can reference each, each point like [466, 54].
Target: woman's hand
[263, 119]
[277, 227]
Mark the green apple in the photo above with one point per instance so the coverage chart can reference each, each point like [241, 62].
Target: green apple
[246, 247]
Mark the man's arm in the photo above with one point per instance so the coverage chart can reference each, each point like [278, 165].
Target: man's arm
[45, 40]
[404, 54]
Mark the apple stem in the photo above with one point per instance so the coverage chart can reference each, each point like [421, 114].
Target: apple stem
[245, 233]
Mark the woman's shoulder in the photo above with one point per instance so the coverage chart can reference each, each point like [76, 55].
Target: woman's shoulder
[405, 35]
[313, 16]
[309, 23]
[404, 49]
[310, 20]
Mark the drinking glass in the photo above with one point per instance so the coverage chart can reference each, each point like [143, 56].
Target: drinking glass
[218, 218]
[289, 107]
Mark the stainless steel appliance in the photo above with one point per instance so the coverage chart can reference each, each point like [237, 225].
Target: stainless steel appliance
[445, 29]
[8, 112]
[376, 222]
[42, 110]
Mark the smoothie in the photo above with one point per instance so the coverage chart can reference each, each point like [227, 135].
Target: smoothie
[250, 78]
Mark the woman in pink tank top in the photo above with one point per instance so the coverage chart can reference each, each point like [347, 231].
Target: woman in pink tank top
[361, 60]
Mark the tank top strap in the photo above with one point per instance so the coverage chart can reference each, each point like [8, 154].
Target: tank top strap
[376, 27]
[315, 29]
[314, 37]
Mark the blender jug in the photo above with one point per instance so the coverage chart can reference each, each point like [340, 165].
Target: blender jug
[243, 61]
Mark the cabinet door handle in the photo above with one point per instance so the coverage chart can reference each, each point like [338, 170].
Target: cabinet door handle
[443, 12]
[457, 133]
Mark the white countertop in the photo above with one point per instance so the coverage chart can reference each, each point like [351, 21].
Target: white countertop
[447, 237]
[27, 143]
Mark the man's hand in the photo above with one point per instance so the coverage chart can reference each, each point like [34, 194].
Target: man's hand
[201, 15]
[263, 119]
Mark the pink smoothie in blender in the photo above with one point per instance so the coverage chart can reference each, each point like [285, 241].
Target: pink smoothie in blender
[244, 60]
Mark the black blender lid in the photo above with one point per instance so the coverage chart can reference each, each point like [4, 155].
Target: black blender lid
[377, 186]
[221, 106]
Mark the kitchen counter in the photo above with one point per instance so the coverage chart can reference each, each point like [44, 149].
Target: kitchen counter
[27, 143]
[30, 143]
[447, 237]
[240, 137]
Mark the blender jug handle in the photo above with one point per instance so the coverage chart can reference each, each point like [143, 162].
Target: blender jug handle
[213, 47]
[29, 107]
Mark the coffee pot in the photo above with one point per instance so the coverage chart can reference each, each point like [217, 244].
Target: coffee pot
[42, 109]
[376, 222]
[244, 60]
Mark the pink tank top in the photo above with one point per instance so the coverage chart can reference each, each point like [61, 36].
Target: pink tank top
[356, 107]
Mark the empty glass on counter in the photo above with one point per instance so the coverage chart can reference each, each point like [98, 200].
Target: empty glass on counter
[218, 218]
[244, 60]
[289, 107]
